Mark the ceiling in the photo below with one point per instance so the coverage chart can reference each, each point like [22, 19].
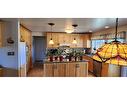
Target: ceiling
[61, 24]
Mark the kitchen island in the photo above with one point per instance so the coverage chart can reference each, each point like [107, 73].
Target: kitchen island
[66, 69]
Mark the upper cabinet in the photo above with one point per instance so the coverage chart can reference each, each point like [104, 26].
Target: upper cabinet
[83, 40]
[1, 33]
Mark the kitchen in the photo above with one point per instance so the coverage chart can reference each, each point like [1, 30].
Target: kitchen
[73, 40]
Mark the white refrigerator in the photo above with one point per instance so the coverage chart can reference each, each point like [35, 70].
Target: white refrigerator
[22, 59]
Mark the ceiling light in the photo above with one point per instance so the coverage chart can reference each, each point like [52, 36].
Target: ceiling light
[90, 31]
[74, 41]
[51, 42]
[112, 53]
[69, 30]
[106, 27]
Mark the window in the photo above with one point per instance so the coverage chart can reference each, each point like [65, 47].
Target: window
[98, 43]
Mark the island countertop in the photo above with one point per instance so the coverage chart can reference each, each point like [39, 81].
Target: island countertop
[66, 61]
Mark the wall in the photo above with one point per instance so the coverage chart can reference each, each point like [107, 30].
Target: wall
[11, 28]
[35, 33]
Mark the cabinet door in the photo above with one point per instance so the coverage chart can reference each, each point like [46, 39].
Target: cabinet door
[82, 70]
[97, 67]
[90, 62]
[70, 70]
[86, 41]
[59, 70]
[1, 34]
[104, 71]
[48, 70]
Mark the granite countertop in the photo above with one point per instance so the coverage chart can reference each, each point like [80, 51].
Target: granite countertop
[90, 55]
[65, 61]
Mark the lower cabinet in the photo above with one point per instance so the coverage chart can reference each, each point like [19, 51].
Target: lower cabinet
[65, 69]
[49, 70]
[123, 71]
[90, 62]
[97, 68]
[70, 70]
[105, 70]
[81, 70]
[59, 70]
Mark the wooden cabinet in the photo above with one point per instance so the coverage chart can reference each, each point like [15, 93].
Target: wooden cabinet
[90, 62]
[97, 68]
[106, 70]
[59, 70]
[83, 40]
[1, 33]
[81, 70]
[66, 69]
[48, 70]
[70, 70]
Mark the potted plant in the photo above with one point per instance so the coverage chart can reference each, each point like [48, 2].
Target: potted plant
[56, 54]
[78, 55]
[70, 54]
[50, 53]
[60, 52]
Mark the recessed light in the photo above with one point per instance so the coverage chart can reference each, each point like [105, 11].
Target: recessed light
[106, 26]
[90, 31]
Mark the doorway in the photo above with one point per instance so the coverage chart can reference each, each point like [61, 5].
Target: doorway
[39, 48]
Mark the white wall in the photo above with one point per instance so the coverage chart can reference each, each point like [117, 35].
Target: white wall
[35, 33]
[11, 29]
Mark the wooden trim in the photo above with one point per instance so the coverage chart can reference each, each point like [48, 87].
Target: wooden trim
[71, 33]
[25, 27]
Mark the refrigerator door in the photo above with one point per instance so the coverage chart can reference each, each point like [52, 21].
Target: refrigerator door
[22, 58]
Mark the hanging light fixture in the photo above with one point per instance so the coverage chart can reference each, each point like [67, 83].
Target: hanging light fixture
[69, 30]
[74, 40]
[51, 42]
[114, 52]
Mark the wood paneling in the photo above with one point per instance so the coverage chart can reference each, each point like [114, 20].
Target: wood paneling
[81, 70]
[76, 69]
[27, 37]
[48, 70]
[83, 40]
[1, 33]
[59, 70]
[90, 62]
[104, 72]
[70, 70]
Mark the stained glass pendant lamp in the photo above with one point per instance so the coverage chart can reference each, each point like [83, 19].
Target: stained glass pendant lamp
[74, 40]
[114, 52]
[51, 42]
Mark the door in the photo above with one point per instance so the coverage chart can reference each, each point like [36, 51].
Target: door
[104, 71]
[82, 70]
[70, 70]
[22, 59]
[48, 70]
[97, 67]
[59, 70]
[39, 48]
